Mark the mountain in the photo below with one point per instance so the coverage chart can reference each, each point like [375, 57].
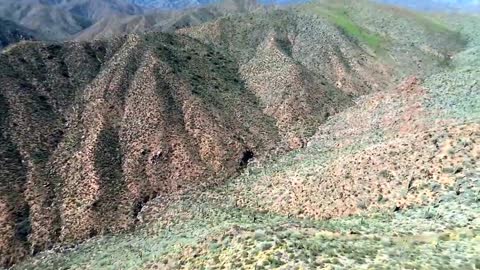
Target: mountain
[183, 4]
[54, 20]
[169, 4]
[427, 5]
[164, 21]
[82, 162]
[13, 33]
[89, 19]
[311, 136]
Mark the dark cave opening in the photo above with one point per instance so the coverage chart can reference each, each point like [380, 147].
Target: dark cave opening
[248, 155]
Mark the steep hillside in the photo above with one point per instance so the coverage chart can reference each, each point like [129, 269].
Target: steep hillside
[319, 45]
[12, 33]
[115, 123]
[111, 125]
[97, 137]
[391, 183]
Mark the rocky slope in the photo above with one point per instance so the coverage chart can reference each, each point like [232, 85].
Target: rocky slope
[111, 125]
[392, 182]
[91, 132]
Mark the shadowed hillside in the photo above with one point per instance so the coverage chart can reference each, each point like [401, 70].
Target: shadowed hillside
[11, 33]
[113, 124]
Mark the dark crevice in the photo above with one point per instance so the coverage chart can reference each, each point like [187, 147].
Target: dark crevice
[93, 232]
[246, 158]
[12, 187]
[108, 163]
[22, 224]
[138, 205]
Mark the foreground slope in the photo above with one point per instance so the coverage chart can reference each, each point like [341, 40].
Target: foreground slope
[93, 131]
[391, 182]
[111, 125]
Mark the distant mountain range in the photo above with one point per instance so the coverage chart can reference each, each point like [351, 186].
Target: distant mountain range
[172, 4]
[165, 20]
[469, 5]
[87, 19]
[181, 4]
[62, 19]
[437, 5]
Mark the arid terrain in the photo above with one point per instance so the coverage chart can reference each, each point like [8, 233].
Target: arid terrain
[315, 136]
[64, 20]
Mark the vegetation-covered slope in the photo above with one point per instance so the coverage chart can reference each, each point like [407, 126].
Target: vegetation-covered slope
[111, 125]
[135, 130]
[393, 179]
[322, 45]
